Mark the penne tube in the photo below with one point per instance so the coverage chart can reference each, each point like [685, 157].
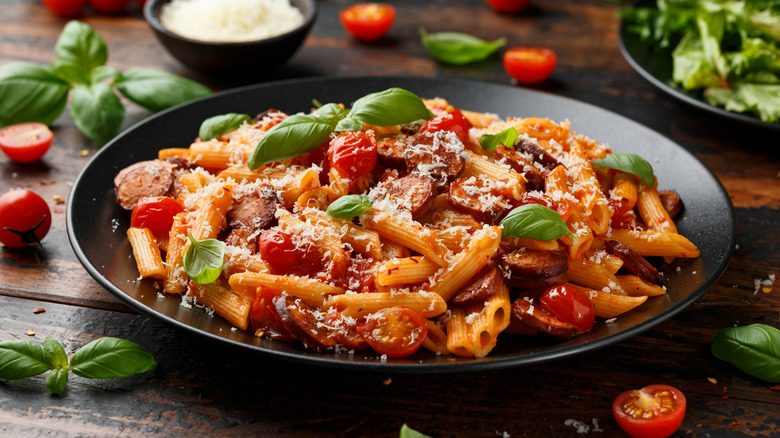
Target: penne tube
[480, 166]
[175, 281]
[625, 187]
[436, 339]
[407, 270]
[635, 286]
[211, 214]
[656, 243]
[593, 275]
[172, 153]
[362, 240]
[226, 303]
[609, 305]
[212, 154]
[310, 290]
[425, 303]
[405, 232]
[146, 253]
[652, 211]
[392, 250]
[473, 332]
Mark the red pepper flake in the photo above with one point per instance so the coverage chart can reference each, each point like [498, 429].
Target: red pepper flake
[734, 423]
[776, 387]
[724, 397]
[712, 380]
[709, 403]
[38, 310]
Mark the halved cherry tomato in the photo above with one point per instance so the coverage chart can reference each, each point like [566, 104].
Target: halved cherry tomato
[368, 21]
[395, 331]
[623, 217]
[353, 154]
[263, 316]
[655, 411]
[571, 305]
[509, 6]
[155, 213]
[65, 8]
[25, 142]
[25, 218]
[452, 120]
[530, 65]
[279, 251]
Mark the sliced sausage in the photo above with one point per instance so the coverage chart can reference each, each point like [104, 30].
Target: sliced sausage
[304, 322]
[179, 163]
[540, 155]
[255, 211]
[390, 151]
[672, 202]
[521, 165]
[538, 284]
[414, 193]
[538, 318]
[483, 286]
[438, 154]
[477, 198]
[632, 261]
[243, 238]
[142, 180]
[535, 263]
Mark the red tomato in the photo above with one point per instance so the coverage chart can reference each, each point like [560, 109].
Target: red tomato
[509, 6]
[395, 331]
[571, 305]
[25, 218]
[65, 8]
[368, 21]
[562, 208]
[623, 217]
[279, 251]
[155, 213]
[25, 142]
[109, 6]
[353, 154]
[452, 121]
[530, 65]
[263, 316]
[655, 411]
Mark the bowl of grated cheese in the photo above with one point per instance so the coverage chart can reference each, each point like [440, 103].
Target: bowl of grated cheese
[245, 38]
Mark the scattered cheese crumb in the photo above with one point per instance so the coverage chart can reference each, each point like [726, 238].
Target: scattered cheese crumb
[766, 284]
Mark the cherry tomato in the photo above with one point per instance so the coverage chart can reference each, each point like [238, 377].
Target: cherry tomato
[109, 6]
[530, 65]
[452, 121]
[263, 316]
[25, 142]
[155, 213]
[623, 217]
[353, 154]
[25, 218]
[509, 6]
[395, 331]
[368, 21]
[655, 411]
[65, 8]
[571, 305]
[279, 251]
[345, 332]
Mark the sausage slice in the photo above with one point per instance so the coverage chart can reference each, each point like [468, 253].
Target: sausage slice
[475, 197]
[672, 202]
[390, 151]
[254, 211]
[521, 165]
[483, 286]
[303, 321]
[141, 180]
[535, 263]
[438, 154]
[632, 261]
[541, 320]
[243, 238]
[414, 193]
[540, 155]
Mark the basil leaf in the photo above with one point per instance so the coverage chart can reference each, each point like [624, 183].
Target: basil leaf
[81, 50]
[347, 207]
[754, 349]
[629, 163]
[506, 137]
[54, 354]
[30, 93]
[157, 90]
[97, 111]
[57, 380]
[534, 221]
[458, 48]
[394, 106]
[20, 359]
[331, 113]
[215, 126]
[203, 260]
[348, 124]
[104, 72]
[408, 432]
[295, 135]
[111, 357]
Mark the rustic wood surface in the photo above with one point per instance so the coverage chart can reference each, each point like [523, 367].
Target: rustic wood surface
[204, 389]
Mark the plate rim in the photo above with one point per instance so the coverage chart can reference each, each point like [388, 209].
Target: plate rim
[468, 365]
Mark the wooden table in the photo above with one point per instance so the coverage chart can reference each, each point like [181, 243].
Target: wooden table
[201, 389]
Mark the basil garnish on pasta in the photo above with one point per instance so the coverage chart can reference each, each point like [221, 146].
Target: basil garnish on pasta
[203, 259]
[347, 207]
[629, 163]
[506, 137]
[534, 221]
[215, 126]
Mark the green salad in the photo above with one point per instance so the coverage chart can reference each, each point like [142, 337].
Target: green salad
[728, 51]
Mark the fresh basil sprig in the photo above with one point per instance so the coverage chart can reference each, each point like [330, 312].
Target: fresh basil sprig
[534, 221]
[34, 93]
[300, 133]
[506, 137]
[100, 359]
[347, 207]
[215, 126]
[629, 163]
[203, 259]
[408, 432]
[458, 48]
[754, 349]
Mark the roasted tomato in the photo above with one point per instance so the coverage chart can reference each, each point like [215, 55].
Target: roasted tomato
[155, 213]
[655, 411]
[25, 218]
[452, 120]
[25, 142]
[279, 251]
[509, 6]
[571, 305]
[395, 331]
[353, 154]
[263, 316]
[530, 65]
[368, 21]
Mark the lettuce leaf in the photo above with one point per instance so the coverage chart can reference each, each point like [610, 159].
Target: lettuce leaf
[760, 99]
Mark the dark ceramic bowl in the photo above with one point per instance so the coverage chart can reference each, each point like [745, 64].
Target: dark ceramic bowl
[231, 58]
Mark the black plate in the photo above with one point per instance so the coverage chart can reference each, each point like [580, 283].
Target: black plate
[96, 225]
[656, 67]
